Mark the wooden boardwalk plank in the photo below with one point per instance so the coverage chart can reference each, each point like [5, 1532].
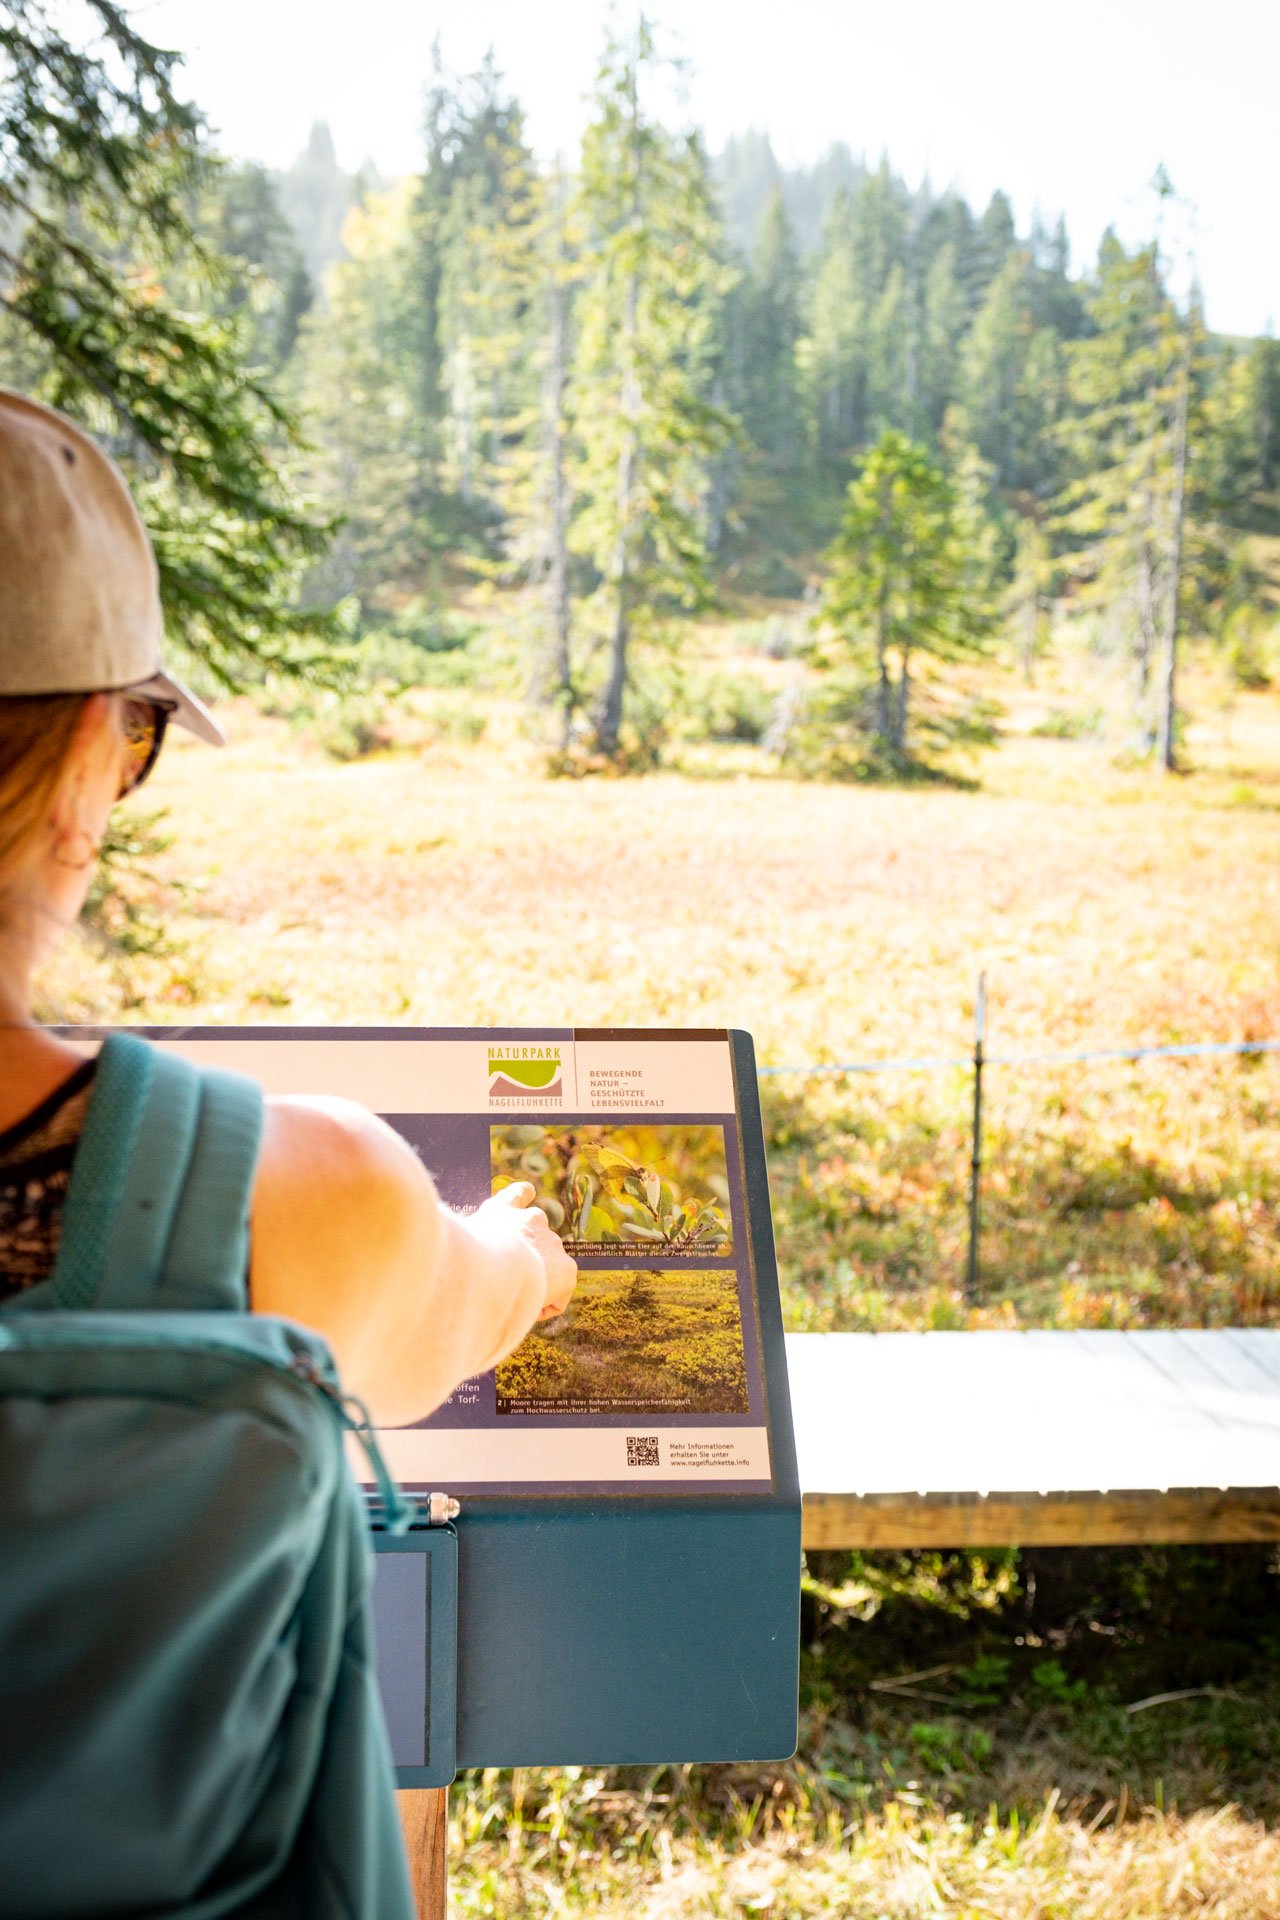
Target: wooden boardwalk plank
[1093, 1520]
[1237, 1367]
[1001, 1438]
[1262, 1344]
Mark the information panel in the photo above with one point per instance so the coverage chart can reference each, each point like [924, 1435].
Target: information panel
[652, 1381]
[630, 1508]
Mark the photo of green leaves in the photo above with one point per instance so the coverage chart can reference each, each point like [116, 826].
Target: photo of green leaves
[643, 1341]
[654, 1189]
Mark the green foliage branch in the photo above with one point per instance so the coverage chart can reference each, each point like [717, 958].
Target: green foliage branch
[100, 164]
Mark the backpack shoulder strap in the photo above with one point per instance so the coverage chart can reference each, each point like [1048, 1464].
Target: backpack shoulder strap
[157, 1213]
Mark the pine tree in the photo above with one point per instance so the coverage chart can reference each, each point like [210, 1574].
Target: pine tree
[1264, 385]
[1136, 432]
[991, 365]
[941, 337]
[359, 376]
[860, 354]
[489, 203]
[889, 356]
[994, 239]
[900, 582]
[525, 327]
[1056, 300]
[770, 303]
[1244, 408]
[1041, 404]
[830, 354]
[317, 195]
[475, 158]
[1025, 599]
[645, 429]
[748, 176]
[241, 217]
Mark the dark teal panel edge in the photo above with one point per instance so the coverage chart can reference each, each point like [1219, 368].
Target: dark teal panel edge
[786, 1475]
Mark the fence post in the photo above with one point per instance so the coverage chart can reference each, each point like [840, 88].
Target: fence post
[975, 1165]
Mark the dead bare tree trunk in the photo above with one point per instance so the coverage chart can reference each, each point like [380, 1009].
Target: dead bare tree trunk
[553, 419]
[463, 408]
[884, 698]
[1144, 650]
[609, 722]
[1167, 745]
[884, 693]
[904, 703]
[609, 717]
[1030, 636]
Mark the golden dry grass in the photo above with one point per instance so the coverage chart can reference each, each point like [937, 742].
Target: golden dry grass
[459, 886]
[899, 1864]
[1108, 908]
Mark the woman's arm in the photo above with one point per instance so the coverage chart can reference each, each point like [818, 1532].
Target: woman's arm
[350, 1238]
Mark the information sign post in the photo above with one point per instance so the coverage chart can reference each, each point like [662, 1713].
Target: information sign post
[621, 1583]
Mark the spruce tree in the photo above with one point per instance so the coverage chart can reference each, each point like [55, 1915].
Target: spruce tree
[644, 425]
[942, 332]
[317, 195]
[831, 354]
[474, 156]
[900, 583]
[1134, 440]
[359, 374]
[991, 365]
[1025, 598]
[525, 328]
[771, 329]
[240, 215]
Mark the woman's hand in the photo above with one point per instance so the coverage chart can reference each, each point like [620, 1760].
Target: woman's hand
[350, 1238]
[532, 1225]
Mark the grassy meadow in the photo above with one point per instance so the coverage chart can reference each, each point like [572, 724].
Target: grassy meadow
[982, 1736]
[451, 882]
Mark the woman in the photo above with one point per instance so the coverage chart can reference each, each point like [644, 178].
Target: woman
[84, 705]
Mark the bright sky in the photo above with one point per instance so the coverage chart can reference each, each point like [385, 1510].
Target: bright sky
[1067, 104]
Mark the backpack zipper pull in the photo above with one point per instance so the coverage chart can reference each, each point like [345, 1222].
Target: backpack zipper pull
[399, 1512]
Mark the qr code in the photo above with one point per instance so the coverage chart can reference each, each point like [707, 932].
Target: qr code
[642, 1450]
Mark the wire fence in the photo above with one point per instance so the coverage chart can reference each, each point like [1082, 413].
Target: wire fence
[979, 1060]
[1193, 1050]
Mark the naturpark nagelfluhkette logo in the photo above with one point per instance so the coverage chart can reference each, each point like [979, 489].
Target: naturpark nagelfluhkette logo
[528, 1074]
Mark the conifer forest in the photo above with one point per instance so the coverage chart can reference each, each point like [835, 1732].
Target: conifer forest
[625, 390]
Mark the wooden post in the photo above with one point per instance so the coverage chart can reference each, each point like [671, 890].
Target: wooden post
[424, 1815]
[972, 1277]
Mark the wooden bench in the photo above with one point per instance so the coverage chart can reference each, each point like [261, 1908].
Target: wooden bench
[1037, 1439]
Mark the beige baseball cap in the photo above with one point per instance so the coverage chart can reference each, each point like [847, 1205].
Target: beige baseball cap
[79, 589]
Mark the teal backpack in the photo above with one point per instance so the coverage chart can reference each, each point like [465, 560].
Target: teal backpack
[189, 1721]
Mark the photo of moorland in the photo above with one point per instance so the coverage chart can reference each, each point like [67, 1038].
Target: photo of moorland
[655, 1189]
[639, 1342]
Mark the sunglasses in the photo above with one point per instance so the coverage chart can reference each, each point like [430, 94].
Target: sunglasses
[142, 727]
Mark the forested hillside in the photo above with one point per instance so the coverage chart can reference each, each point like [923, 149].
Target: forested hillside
[643, 382]
[648, 381]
